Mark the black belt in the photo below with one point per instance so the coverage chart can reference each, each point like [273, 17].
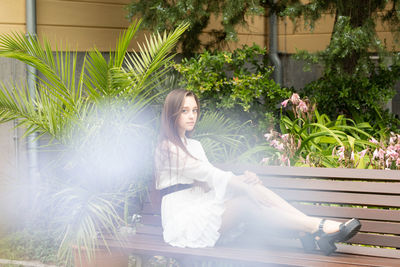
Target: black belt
[174, 188]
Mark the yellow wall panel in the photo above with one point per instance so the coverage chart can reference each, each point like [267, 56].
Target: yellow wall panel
[10, 28]
[78, 13]
[83, 39]
[382, 26]
[310, 42]
[12, 11]
[389, 40]
[323, 25]
[256, 25]
[124, 2]
[248, 39]
[317, 38]
[244, 39]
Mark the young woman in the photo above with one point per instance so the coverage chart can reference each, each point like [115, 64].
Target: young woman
[203, 205]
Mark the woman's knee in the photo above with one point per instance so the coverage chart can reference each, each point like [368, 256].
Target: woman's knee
[241, 206]
[236, 211]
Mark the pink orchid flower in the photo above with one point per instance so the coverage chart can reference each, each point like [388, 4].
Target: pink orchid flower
[340, 153]
[381, 154]
[375, 155]
[362, 153]
[392, 154]
[373, 140]
[285, 137]
[295, 98]
[303, 106]
[268, 136]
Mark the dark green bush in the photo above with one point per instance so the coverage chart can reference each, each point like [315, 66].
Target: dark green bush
[361, 98]
[355, 82]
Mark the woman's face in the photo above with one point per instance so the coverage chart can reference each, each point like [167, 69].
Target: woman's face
[188, 115]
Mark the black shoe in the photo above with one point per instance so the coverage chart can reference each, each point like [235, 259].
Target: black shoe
[347, 230]
[308, 242]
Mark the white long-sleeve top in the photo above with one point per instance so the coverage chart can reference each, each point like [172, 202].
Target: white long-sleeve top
[190, 217]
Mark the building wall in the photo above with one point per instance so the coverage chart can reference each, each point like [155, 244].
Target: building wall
[12, 16]
[13, 154]
[84, 24]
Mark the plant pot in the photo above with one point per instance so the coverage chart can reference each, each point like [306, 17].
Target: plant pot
[103, 258]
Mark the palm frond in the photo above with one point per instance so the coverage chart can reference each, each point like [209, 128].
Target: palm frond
[218, 135]
[59, 70]
[147, 66]
[123, 43]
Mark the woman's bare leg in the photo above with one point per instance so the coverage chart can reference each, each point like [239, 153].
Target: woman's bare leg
[279, 214]
[241, 208]
[279, 203]
[277, 200]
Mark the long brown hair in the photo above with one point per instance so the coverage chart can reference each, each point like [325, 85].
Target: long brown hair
[169, 124]
[170, 115]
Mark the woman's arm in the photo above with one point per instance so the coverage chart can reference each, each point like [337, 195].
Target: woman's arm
[182, 166]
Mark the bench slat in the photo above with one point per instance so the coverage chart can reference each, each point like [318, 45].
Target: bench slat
[370, 251]
[348, 212]
[381, 227]
[329, 185]
[152, 246]
[149, 230]
[339, 198]
[376, 240]
[151, 219]
[350, 174]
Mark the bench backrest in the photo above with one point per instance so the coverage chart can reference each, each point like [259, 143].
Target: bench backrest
[373, 196]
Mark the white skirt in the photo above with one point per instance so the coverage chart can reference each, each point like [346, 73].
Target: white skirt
[192, 218]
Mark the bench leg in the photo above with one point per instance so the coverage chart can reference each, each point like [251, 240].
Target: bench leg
[135, 261]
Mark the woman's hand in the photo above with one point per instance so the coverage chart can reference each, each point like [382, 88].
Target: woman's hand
[250, 185]
[251, 178]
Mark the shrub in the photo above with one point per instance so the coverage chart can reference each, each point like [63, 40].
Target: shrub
[237, 83]
[361, 85]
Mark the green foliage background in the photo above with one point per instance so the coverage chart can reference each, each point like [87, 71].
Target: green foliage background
[362, 93]
[237, 84]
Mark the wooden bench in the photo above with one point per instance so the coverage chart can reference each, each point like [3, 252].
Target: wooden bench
[373, 196]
